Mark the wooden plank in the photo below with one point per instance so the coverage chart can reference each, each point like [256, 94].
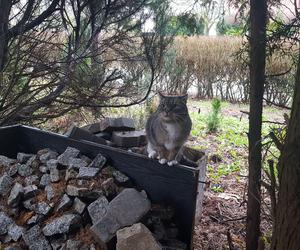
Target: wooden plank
[8, 140]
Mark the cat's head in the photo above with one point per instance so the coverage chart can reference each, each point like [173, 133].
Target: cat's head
[172, 107]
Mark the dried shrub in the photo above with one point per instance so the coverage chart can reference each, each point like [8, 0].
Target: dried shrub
[216, 67]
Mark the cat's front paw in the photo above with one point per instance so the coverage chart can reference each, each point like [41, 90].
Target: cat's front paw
[172, 163]
[152, 155]
[162, 161]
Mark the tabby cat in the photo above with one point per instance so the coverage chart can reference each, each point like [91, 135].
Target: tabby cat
[168, 128]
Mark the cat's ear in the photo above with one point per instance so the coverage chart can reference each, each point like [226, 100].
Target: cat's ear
[184, 98]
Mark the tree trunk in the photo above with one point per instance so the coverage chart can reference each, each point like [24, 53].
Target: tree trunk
[287, 222]
[258, 17]
[5, 6]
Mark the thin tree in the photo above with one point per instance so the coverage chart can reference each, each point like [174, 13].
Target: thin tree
[287, 223]
[258, 19]
[62, 55]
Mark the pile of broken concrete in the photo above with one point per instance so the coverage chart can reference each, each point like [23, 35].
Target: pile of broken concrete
[69, 201]
[118, 132]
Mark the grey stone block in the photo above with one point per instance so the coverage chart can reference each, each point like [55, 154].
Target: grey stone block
[116, 124]
[5, 184]
[127, 139]
[30, 191]
[124, 210]
[6, 162]
[15, 231]
[98, 162]
[54, 175]
[16, 194]
[79, 206]
[35, 240]
[136, 237]
[5, 221]
[87, 172]
[46, 155]
[84, 134]
[64, 203]
[24, 170]
[120, 178]
[62, 224]
[69, 153]
[49, 192]
[23, 158]
[98, 209]
[45, 180]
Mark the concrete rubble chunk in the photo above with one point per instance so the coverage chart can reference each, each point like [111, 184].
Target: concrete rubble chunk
[62, 224]
[77, 163]
[98, 162]
[31, 180]
[47, 155]
[83, 134]
[12, 170]
[58, 244]
[28, 204]
[125, 209]
[15, 231]
[70, 174]
[5, 161]
[16, 194]
[45, 180]
[87, 172]
[76, 191]
[24, 170]
[44, 169]
[5, 184]
[86, 159]
[69, 153]
[120, 178]
[98, 209]
[5, 221]
[116, 124]
[54, 175]
[23, 158]
[42, 208]
[49, 192]
[136, 237]
[34, 219]
[33, 162]
[79, 206]
[127, 139]
[109, 187]
[52, 163]
[64, 203]
[30, 191]
[92, 128]
[35, 240]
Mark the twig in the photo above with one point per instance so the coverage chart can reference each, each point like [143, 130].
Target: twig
[272, 122]
[233, 219]
[245, 112]
[278, 144]
[229, 239]
[273, 188]
[277, 105]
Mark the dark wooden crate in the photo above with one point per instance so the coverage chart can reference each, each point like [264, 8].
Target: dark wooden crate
[177, 186]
